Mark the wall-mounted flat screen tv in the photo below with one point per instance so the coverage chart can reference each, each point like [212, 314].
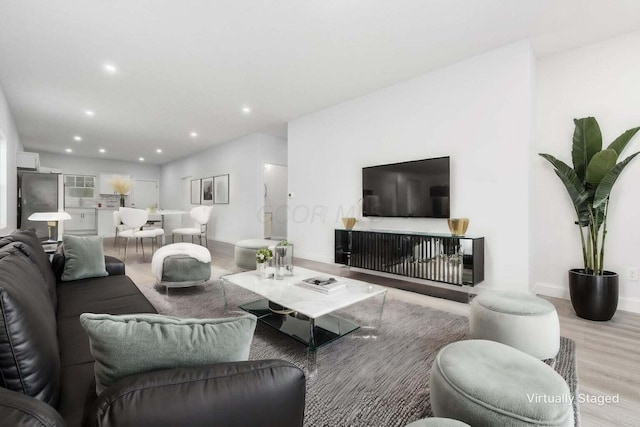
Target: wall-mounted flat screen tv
[416, 189]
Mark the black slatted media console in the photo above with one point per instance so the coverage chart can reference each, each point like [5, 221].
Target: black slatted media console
[437, 257]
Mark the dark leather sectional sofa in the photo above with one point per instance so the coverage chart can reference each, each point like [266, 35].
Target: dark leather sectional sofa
[46, 368]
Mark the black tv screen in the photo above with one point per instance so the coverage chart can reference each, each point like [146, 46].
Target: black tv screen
[417, 189]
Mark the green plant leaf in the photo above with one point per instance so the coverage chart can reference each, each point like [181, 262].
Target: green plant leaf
[583, 217]
[571, 182]
[604, 188]
[598, 213]
[621, 142]
[587, 141]
[601, 163]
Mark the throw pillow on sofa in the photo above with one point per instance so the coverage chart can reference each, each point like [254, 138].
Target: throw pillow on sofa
[131, 344]
[84, 257]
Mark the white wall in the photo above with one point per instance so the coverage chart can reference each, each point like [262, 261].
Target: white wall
[599, 80]
[9, 173]
[477, 111]
[243, 159]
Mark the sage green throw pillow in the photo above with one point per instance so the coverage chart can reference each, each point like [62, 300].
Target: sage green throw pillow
[83, 257]
[136, 343]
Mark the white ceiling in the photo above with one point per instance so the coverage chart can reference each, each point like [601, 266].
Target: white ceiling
[193, 64]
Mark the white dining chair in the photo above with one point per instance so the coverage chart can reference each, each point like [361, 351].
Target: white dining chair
[118, 226]
[135, 219]
[201, 216]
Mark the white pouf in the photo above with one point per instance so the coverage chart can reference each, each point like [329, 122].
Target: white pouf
[245, 251]
[521, 321]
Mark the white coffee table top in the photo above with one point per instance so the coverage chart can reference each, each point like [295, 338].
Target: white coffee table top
[311, 303]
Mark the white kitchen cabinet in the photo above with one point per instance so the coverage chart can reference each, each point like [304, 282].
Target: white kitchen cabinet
[77, 187]
[103, 182]
[83, 221]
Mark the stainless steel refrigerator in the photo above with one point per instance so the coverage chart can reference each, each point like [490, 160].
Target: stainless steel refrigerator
[39, 192]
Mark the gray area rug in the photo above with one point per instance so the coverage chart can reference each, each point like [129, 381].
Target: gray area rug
[361, 380]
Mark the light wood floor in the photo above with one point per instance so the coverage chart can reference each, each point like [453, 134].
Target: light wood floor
[608, 353]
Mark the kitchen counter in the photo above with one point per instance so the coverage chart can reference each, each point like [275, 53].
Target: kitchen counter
[101, 208]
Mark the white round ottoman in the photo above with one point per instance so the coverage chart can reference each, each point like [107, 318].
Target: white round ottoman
[245, 251]
[487, 384]
[181, 265]
[519, 320]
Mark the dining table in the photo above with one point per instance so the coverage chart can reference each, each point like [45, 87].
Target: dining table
[165, 212]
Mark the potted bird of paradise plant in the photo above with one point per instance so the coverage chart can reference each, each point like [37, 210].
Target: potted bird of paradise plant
[593, 290]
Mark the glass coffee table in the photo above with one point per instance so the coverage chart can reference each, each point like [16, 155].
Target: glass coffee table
[304, 314]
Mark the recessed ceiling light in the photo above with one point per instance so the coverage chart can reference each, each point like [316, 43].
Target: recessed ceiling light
[102, 150]
[159, 150]
[246, 110]
[194, 134]
[89, 113]
[77, 138]
[141, 159]
[68, 150]
[110, 68]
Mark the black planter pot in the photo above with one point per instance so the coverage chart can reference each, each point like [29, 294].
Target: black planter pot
[593, 297]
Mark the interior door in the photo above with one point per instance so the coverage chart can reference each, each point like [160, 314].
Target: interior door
[144, 194]
[275, 200]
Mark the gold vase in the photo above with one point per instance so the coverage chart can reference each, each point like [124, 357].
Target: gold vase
[458, 226]
[349, 222]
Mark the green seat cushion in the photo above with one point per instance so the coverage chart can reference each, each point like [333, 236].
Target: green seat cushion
[84, 257]
[515, 303]
[184, 268]
[502, 381]
[131, 344]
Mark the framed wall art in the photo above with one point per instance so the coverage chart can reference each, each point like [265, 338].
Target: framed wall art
[207, 191]
[221, 189]
[195, 191]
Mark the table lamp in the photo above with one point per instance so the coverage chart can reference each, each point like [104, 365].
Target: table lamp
[51, 218]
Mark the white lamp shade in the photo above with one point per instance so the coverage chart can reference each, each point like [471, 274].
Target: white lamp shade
[49, 216]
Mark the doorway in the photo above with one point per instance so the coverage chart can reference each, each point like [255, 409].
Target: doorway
[275, 201]
[144, 194]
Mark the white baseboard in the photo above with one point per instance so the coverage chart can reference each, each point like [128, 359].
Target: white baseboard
[551, 290]
[629, 304]
[556, 291]
[313, 257]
